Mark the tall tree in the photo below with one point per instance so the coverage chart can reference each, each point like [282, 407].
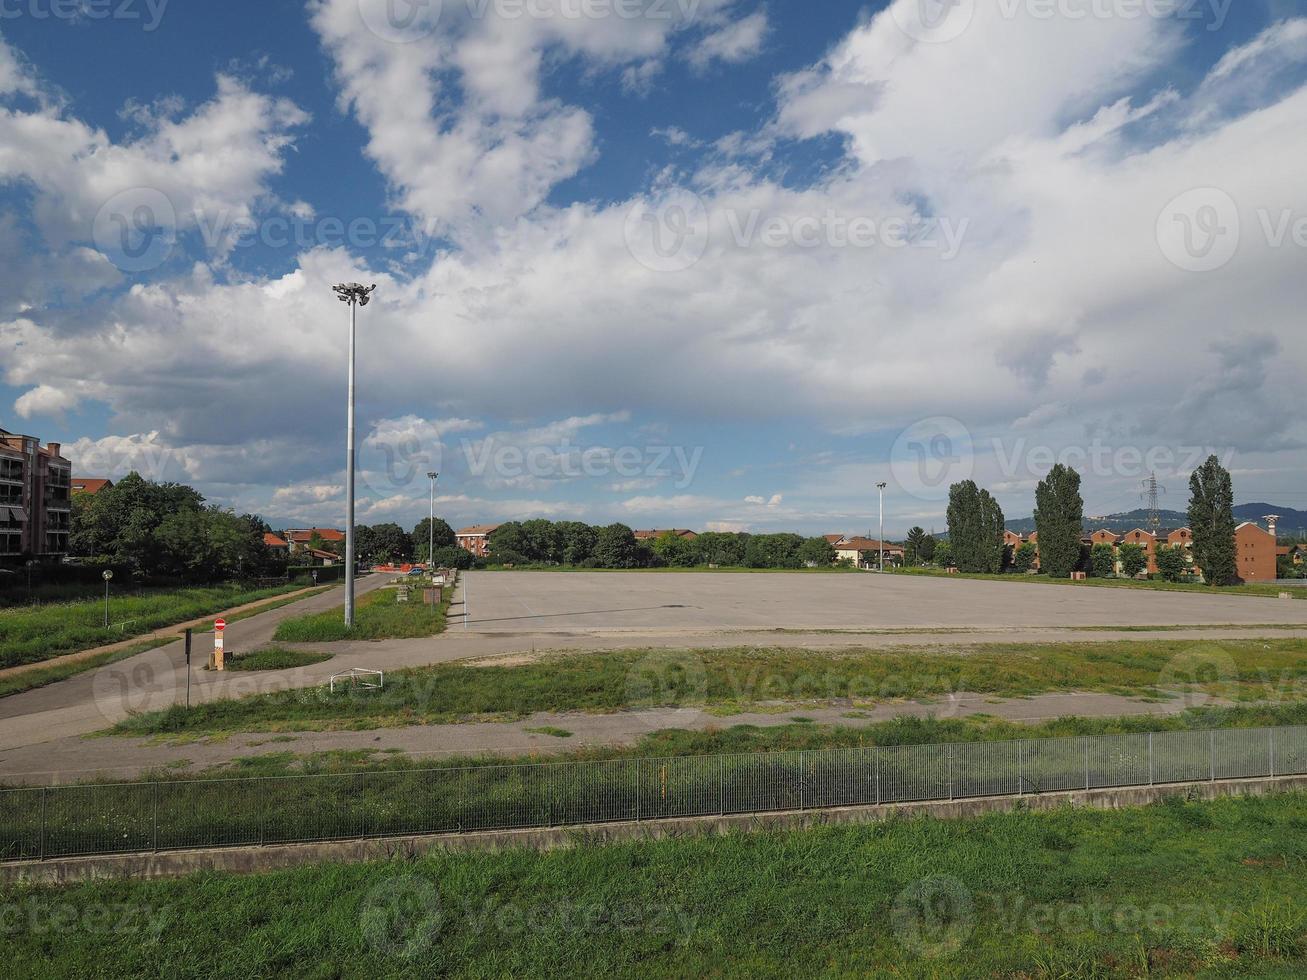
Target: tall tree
[1211, 517]
[1059, 519]
[915, 546]
[975, 529]
[615, 547]
[425, 531]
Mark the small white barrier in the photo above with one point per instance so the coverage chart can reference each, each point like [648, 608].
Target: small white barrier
[372, 680]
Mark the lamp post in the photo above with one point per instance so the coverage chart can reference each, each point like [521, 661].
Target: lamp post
[30, 563]
[108, 574]
[431, 528]
[881, 487]
[356, 295]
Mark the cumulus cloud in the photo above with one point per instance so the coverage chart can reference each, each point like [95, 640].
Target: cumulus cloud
[733, 42]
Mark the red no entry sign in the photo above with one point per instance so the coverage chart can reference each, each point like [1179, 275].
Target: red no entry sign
[219, 625]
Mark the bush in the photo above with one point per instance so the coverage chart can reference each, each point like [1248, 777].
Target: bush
[1171, 564]
[1102, 560]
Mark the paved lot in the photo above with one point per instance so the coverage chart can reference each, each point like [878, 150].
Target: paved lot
[545, 602]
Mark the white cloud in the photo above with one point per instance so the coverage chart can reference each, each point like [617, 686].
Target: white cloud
[45, 400]
[733, 42]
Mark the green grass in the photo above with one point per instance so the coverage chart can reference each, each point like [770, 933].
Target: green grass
[1265, 590]
[41, 677]
[377, 616]
[207, 627]
[1175, 889]
[741, 739]
[730, 680]
[276, 658]
[551, 731]
[31, 634]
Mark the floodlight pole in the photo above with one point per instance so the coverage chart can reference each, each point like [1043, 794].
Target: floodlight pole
[881, 542]
[431, 528]
[356, 295]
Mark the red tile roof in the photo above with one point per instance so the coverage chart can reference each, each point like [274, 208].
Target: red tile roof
[478, 530]
[273, 541]
[305, 535]
[81, 485]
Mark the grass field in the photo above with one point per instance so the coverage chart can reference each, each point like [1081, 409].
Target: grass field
[1176, 889]
[31, 634]
[729, 680]
[377, 616]
[276, 658]
[1265, 590]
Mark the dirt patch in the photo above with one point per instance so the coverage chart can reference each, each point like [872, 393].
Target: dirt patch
[512, 660]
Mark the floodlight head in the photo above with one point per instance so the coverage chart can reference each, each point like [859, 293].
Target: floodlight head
[354, 292]
[432, 476]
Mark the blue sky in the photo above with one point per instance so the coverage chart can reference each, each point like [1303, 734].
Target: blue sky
[722, 264]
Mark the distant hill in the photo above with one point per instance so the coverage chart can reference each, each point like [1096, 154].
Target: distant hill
[1293, 523]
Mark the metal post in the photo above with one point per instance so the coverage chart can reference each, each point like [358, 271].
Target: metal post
[549, 789]
[431, 528]
[639, 785]
[349, 479]
[1086, 765]
[1150, 758]
[106, 603]
[154, 836]
[1021, 769]
[881, 543]
[44, 792]
[1212, 752]
[1271, 733]
[877, 757]
[948, 762]
[188, 669]
[721, 802]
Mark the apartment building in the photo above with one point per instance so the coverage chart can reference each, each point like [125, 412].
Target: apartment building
[476, 539]
[35, 499]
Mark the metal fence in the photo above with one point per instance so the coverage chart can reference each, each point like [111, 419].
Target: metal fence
[62, 821]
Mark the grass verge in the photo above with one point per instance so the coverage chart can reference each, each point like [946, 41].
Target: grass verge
[31, 634]
[276, 658]
[1175, 889]
[377, 616]
[730, 680]
[1264, 590]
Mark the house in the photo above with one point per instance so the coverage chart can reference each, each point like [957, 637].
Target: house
[476, 539]
[1146, 540]
[1013, 540]
[1103, 536]
[275, 543]
[35, 498]
[655, 535]
[833, 539]
[91, 485]
[299, 540]
[866, 552]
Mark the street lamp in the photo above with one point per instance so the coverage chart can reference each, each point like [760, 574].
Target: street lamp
[356, 295]
[106, 576]
[881, 487]
[30, 563]
[431, 528]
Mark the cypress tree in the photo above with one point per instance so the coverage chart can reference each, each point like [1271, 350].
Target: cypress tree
[1059, 519]
[1211, 517]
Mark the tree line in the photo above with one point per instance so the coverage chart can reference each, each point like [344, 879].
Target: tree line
[976, 524]
[580, 545]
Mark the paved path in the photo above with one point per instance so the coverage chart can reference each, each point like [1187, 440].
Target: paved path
[74, 759]
[99, 698]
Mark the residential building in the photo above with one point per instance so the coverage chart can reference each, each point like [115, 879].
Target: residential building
[1013, 540]
[866, 552]
[91, 485]
[1254, 558]
[655, 535]
[275, 543]
[1103, 536]
[476, 539]
[35, 498]
[298, 541]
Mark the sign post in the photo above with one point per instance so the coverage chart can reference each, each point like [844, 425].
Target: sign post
[188, 669]
[218, 658]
